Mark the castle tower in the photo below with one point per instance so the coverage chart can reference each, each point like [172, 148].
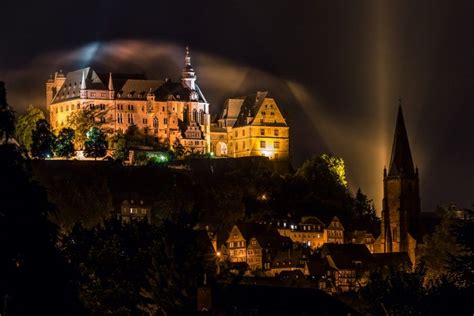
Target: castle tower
[188, 76]
[83, 92]
[111, 87]
[401, 199]
[50, 91]
[53, 84]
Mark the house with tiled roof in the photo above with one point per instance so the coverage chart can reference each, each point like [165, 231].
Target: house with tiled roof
[255, 245]
[251, 125]
[347, 265]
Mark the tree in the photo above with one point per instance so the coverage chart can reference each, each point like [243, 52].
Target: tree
[461, 265]
[365, 217]
[64, 146]
[319, 185]
[42, 140]
[25, 125]
[95, 144]
[119, 144]
[178, 149]
[393, 293]
[127, 268]
[34, 278]
[438, 247]
[7, 116]
[82, 122]
[324, 168]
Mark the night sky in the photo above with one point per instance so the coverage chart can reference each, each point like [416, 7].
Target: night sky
[337, 68]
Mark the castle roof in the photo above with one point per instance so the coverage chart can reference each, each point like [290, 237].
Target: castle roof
[125, 86]
[137, 88]
[176, 91]
[401, 161]
[241, 111]
[250, 107]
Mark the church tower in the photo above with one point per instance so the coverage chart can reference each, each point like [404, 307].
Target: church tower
[401, 198]
[188, 77]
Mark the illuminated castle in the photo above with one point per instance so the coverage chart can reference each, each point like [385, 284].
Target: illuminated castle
[251, 126]
[168, 110]
[247, 126]
[401, 201]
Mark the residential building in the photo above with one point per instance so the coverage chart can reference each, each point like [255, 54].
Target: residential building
[255, 245]
[362, 237]
[252, 125]
[135, 210]
[348, 265]
[335, 231]
[309, 231]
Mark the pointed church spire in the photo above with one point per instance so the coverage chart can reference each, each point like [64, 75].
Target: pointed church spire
[401, 161]
[83, 81]
[111, 84]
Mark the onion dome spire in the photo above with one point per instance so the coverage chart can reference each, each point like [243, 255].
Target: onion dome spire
[188, 76]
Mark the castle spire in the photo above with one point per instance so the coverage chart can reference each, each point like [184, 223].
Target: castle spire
[188, 76]
[83, 81]
[111, 84]
[187, 59]
[401, 161]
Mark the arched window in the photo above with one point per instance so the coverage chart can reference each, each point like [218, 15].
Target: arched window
[194, 115]
[201, 116]
[155, 125]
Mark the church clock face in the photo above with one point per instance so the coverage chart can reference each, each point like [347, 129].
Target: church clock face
[193, 95]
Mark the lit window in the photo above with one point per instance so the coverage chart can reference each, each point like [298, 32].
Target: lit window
[262, 144]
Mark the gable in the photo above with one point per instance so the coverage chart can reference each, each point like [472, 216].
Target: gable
[269, 113]
[235, 234]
